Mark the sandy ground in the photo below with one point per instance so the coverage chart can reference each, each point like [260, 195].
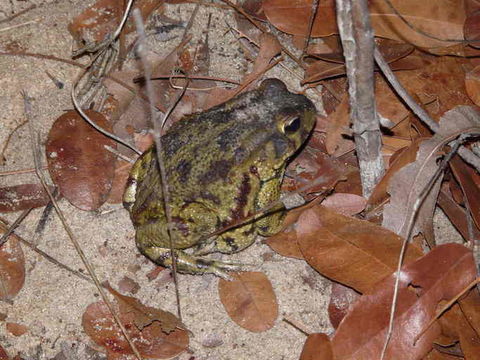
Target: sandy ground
[52, 301]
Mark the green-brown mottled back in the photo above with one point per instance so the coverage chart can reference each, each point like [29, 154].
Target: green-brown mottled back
[222, 165]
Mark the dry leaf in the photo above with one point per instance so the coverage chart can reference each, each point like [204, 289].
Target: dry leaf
[22, 197]
[12, 266]
[457, 215]
[469, 181]
[103, 17]
[16, 329]
[353, 252]
[409, 182]
[455, 323]
[122, 171]
[443, 19]
[472, 84]
[249, 300]
[285, 244]
[345, 204]
[379, 194]
[439, 275]
[3, 354]
[144, 316]
[151, 342]
[317, 347]
[78, 162]
[341, 299]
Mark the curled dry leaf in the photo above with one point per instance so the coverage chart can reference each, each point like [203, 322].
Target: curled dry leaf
[12, 266]
[353, 252]
[151, 341]
[22, 197]
[317, 347]
[409, 183]
[78, 161]
[249, 300]
[438, 275]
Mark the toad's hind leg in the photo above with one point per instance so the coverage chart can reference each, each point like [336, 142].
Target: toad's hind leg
[190, 264]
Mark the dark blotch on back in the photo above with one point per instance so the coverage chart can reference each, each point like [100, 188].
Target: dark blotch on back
[183, 170]
[242, 198]
[218, 170]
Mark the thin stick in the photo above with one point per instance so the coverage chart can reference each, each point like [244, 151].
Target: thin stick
[409, 226]
[48, 257]
[446, 307]
[157, 128]
[14, 225]
[313, 12]
[21, 171]
[18, 25]
[18, 14]
[9, 137]
[67, 228]
[85, 117]
[465, 153]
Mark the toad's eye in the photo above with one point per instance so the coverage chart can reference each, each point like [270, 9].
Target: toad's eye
[292, 125]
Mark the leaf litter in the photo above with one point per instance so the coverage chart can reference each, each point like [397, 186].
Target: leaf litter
[344, 248]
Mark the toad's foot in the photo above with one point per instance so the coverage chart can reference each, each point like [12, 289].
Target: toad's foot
[191, 264]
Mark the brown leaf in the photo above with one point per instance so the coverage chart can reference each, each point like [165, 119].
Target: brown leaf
[144, 316]
[410, 181]
[122, 172]
[472, 84]
[341, 299]
[22, 197]
[345, 204]
[151, 342]
[314, 165]
[469, 181]
[471, 27]
[103, 17]
[12, 266]
[77, 160]
[3, 354]
[407, 156]
[459, 326]
[443, 19]
[285, 244]
[317, 347]
[457, 215]
[249, 300]
[353, 252]
[438, 275]
[16, 329]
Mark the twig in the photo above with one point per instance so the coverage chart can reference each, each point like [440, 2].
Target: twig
[45, 214]
[18, 14]
[446, 307]
[295, 324]
[118, 154]
[465, 153]
[358, 46]
[14, 225]
[22, 171]
[98, 128]
[67, 228]
[8, 28]
[157, 129]
[9, 137]
[48, 257]
[409, 228]
[313, 12]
